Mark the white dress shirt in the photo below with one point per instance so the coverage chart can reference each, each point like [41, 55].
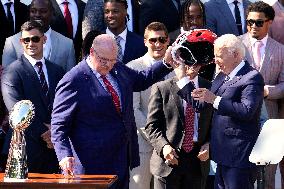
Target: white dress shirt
[122, 35]
[181, 83]
[262, 49]
[72, 6]
[12, 9]
[33, 63]
[130, 14]
[241, 8]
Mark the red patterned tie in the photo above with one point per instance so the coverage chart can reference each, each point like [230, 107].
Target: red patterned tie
[68, 19]
[187, 143]
[115, 97]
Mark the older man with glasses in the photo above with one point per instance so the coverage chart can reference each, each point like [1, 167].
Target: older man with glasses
[267, 56]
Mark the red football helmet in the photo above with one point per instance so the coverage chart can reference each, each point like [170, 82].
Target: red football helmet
[194, 47]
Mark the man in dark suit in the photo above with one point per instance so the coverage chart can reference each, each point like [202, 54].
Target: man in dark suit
[94, 16]
[33, 78]
[164, 11]
[236, 95]
[11, 21]
[131, 46]
[166, 127]
[61, 24]
[93, 126]
[221, 16]
[57, 49]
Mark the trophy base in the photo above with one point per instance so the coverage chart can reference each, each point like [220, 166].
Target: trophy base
[14, 180]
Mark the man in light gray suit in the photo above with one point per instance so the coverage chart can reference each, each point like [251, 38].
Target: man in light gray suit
[57, 49]
[266, 55]
[221, 19]
[156, 40]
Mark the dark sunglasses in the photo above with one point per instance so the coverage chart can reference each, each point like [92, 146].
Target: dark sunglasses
[258, 23]
[162, 40]
[34, 39]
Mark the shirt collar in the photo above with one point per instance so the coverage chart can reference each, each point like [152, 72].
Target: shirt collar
[195, 81]
[34, 61]
[263, 40]
[232, 1]
[151, 60]
[48, 33]
[59, 2]
[6, 1]
[122, 34]
[236, 70]
[89, 62]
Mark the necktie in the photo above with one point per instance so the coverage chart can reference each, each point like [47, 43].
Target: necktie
[114, 95]
[10, 18]
[257, 54]
[238, 17]
[68, 19]
[187, 143]
[42, 80]
[119, 48]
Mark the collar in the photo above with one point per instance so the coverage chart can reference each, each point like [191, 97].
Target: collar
[34, 61]
[195, 81]
[236, 70]
[263, 40]
[48, 33]
[6, 1]
[122, 34]
[89, 62]
[59, 2]
[150, 60]
[232, 1]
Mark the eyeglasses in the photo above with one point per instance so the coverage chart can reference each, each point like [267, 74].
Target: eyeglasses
[162, 40]
[102, 59]
[34, 39]
[258, 23]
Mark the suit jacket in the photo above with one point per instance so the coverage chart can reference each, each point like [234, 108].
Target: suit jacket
[62, 50]
[235, 124]
[93, 18]
[277, 24]
[272, 72]
[165, 123]
[20, 82]
[134, 47]
[21, 15]
[219, 18]
[101, 140]
[58, 24]
[159, 11]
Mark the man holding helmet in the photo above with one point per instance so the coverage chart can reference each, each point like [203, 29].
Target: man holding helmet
[177, 130]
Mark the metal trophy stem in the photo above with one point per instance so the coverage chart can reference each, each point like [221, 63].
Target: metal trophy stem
[20, 118]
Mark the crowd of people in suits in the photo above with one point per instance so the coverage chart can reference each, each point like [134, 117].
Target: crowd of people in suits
[89, 69]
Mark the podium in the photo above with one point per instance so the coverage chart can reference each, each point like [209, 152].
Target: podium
[57, 181]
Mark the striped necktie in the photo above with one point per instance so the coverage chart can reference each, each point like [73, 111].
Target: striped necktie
[119, 49]
[42, 80]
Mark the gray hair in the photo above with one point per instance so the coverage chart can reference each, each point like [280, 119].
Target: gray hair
[232, 43]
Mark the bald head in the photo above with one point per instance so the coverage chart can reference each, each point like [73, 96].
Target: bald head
[105, 43]
[103, 53]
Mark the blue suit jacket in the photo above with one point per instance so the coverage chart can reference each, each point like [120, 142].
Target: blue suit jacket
[236, 125]
[134, 47]
[20, 82]
[219, 18]
[85, 123]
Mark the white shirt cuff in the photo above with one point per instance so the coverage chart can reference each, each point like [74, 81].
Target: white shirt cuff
[166, 64]
[183, 82]
[216, 102]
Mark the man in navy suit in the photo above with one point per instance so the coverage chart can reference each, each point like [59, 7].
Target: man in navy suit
[236, 95]
[93, 126]
[132, 45]
[34, 78]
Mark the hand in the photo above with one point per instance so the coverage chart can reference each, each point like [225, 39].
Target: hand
[46, 136]
[169, 59]
[170, 155]
[67, 165]
[265, 91]
[203, 154]
[203, 95]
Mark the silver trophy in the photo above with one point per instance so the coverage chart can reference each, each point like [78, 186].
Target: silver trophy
[20, 118]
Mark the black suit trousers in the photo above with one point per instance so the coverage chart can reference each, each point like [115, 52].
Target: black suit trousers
[186, 175]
